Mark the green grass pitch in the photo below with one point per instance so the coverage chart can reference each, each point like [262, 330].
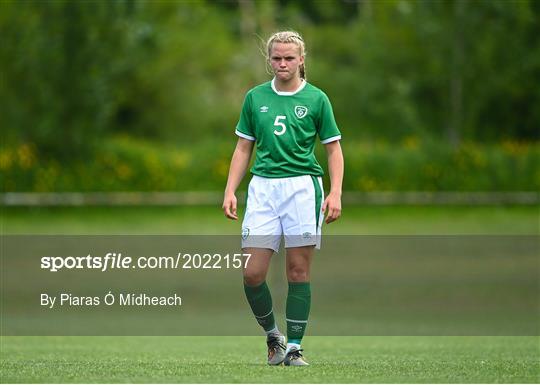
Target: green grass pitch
[357, 220]
[354, 359]
[242, 359]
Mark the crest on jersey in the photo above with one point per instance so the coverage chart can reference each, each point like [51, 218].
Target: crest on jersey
[300, 111]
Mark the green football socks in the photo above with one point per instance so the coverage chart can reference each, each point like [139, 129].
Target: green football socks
[260, 300]
[297, 310]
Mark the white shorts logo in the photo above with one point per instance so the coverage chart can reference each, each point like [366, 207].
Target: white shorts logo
[245, 233]
[300, 111]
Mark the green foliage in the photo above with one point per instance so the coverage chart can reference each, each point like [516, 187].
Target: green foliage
[431, 166]
[178, 85]
[125, 163]
[390, 73]
[59, 72]
[76, 73]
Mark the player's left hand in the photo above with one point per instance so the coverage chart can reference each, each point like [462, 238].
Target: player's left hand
[332, 207]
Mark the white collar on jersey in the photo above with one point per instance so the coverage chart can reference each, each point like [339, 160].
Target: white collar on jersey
[288, 93]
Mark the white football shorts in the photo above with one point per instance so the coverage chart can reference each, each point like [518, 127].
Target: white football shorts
[291, 207]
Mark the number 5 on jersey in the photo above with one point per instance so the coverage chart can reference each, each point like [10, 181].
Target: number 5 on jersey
[280, 124]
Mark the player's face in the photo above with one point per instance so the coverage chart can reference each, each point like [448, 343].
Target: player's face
[285, 60]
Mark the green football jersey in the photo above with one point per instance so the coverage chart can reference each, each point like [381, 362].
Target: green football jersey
[285, 126]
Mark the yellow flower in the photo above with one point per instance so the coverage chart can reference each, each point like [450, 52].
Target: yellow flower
[411, 142]
[26, 156]
[222, 167]
[367, 184]
[514, 147]
[124, 171]
[180, 159]
[5, 159]
[432, 171]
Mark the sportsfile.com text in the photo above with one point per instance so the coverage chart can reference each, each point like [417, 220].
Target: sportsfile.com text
[118, 261]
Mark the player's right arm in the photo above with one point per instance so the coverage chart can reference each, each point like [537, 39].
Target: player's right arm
[239, 164]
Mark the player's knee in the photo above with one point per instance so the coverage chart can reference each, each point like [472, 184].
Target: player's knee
[253, 278]
[297, 274]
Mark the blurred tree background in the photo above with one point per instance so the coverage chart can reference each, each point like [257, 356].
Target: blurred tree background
[145, 95]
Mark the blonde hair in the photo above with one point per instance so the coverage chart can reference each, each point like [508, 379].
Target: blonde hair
[288, 37]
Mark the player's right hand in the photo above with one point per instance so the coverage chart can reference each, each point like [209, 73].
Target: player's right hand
[229, 206]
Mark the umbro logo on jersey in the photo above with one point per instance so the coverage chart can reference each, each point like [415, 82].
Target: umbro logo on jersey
[264, 109]
[300, 111]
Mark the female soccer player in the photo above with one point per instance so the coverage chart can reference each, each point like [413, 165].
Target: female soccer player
[283, 117]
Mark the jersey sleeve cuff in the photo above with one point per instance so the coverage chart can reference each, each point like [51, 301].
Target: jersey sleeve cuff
[242, 135]
[331, 139]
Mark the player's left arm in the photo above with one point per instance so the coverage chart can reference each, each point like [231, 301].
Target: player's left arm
[332, 203]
